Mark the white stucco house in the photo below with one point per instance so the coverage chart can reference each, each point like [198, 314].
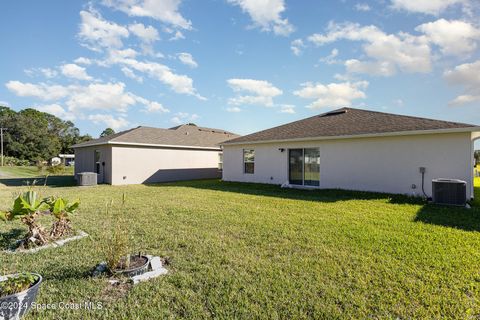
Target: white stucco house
[357, 150]
[149, 155]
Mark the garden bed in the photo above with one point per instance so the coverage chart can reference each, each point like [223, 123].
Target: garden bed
[56, 243]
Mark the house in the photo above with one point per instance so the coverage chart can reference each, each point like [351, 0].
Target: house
[148, 155]
[355, 149]
[67, 159]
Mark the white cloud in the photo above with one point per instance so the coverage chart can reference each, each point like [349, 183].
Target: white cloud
[41, 91]
[297, 46]
[398, 102]
[267, 15]
[434, 7]
[184, 117]
[466, 75]
[57, 110]
[401, 51]
[104, 96]
[83, 60]
[97, 33]
[234, 109]
[179, 83]
[259, 92]
[287, 108]
[362, 7]
[153, 106]
[110, 97]
[377, 68]
[177, 36]
[166, 11]
[187, 59]
[333, 94]
[146, 34]
[46, 72]
[330, 59]
[74, 71]
[130, 74]
[454, 37]
[109, 120]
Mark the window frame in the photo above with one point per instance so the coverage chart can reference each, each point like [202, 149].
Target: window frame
[248, 162]
[96, 157]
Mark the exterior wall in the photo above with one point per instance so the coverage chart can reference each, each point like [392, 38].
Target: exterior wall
[136, 165]
[85, 162]
[381, 164]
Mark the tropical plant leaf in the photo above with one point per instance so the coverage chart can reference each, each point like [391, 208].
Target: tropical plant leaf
[3, 216]
[58, 206]
[73, 206]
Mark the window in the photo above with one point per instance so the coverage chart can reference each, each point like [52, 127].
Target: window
[248, 161]
[220, 161]
[97, 161]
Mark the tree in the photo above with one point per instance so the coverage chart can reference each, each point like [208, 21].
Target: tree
[35, 135]
[107, 132]
[477, 156]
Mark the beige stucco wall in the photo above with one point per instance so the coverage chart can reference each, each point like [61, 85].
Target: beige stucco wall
[85, 161]
[136, 165]
[383, 164]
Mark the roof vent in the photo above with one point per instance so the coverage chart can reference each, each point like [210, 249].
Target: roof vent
[191, 124]
[334, 113]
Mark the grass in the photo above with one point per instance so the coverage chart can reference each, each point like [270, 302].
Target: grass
[255, 251]
[19, 172]
[18, 176]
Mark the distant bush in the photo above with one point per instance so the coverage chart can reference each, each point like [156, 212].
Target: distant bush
[12, 161]
[58, 169]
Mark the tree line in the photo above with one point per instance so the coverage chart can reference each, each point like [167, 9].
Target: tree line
[34, 135]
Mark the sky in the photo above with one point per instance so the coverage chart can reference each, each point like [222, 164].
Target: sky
[238, 65]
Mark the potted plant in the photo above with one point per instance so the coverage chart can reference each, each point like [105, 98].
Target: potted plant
[27, 207]
[61, 209]
[17, 294]
[117, 250]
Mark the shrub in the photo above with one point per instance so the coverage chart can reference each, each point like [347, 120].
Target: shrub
[61, 209]
[14, 162]
[17, 284]
[58, 169]
[27, 207]
[115, 244]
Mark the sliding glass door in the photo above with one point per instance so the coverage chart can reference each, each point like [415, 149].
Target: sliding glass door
[295, 166]
[311, 175]
[304, 166]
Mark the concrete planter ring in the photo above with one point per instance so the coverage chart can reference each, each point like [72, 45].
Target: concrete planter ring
[16, 305]
[138, 265]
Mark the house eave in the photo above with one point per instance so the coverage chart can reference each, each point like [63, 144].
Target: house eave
[359, 136]
[134, 144]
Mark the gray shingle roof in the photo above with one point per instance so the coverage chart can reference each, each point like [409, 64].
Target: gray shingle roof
[188, 135]
[348, 122]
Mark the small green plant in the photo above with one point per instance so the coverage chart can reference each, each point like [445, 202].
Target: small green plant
[58, 169]
[115, 245]
[17, 283]
[61, 209]
[27, 207]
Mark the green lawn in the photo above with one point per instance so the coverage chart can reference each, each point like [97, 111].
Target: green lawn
[18, 176]
[18, 172]
[255, 251]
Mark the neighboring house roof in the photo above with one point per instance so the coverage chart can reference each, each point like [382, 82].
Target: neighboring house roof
[184, 136]
[350, 122]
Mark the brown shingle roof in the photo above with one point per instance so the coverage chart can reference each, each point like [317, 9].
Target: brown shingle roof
[348, 122]
[188, 135]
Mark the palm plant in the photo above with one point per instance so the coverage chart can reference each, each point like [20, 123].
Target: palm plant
[27, 207]
[61, 209]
